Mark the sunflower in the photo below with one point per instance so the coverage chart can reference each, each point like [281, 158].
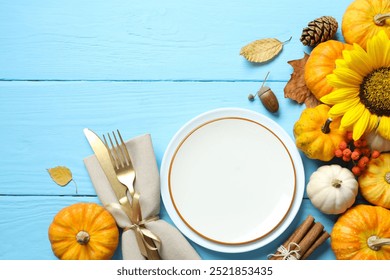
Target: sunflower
[361, 82]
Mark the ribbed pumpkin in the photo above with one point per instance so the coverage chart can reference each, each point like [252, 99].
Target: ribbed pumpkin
[362, 233]
[332, 189]
[374, 183]
[83, 231]
[365, 18]
[316, 135]
[322, 61]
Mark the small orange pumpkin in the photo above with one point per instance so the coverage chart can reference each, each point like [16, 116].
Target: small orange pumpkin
[322, 61]
[362, 233]
[84, 231]
[374, 183]
[365, 18]
[316, 135]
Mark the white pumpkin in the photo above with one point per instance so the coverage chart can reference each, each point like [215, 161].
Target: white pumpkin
[332, 189]
[377, 142]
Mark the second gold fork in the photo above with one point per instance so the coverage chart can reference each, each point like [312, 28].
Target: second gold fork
[121, 161]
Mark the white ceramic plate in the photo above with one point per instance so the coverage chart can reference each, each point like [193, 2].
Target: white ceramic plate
[232, 180]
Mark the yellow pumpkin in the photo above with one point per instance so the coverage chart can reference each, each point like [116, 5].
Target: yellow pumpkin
[374, 183]
[322, 61]
[83, 231]
[362, 233]
[365, 18]
[316, 135]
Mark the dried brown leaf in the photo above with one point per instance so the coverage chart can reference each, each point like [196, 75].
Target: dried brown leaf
[60, 175]
[296, 88]
[311, 101]
[262, 50]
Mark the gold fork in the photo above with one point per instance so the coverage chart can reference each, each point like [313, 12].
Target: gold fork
[121, 161]
[125, 173]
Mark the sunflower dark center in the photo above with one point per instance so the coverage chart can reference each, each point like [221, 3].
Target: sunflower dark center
[375, 91]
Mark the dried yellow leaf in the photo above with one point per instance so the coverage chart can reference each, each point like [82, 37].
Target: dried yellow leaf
[262, 50]
[61, 175]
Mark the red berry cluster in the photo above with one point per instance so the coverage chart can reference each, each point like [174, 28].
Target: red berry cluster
[357, 152]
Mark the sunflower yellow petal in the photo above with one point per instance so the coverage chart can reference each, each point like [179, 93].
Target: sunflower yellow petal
[341, 63]
[358, 48]
[340, 95]
[360, 62]
[337, 81]
[347, 78]
[348, 75]
[352, 115]
[339, 109]
[375, 49]
[386, 52]
[373, 123]
[346, 56]
[384, 127]
[361, 125]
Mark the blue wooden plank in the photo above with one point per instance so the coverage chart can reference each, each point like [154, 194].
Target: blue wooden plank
[152, 40]
[43, 123]
[25, 221]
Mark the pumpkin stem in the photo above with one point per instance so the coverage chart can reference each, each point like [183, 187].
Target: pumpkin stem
[326, 127]
[375, 243]
[336, 183]
[82, 237]
[380, 19]
[387, 177]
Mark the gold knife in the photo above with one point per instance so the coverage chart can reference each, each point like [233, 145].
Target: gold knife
[103, 156]
[120, 190]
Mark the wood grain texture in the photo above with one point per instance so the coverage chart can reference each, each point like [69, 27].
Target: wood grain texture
[153, 40]
[26, 220]
[45, 120]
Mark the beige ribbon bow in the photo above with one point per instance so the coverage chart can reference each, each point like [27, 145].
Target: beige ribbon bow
[147, 241]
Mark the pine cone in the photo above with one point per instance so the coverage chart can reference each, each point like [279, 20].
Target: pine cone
[319, 30]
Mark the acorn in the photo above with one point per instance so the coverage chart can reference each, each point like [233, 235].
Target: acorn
[268, 98]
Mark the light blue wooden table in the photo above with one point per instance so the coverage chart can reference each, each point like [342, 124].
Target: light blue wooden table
[139, 66]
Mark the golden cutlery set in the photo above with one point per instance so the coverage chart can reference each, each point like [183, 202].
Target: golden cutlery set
[117, 165]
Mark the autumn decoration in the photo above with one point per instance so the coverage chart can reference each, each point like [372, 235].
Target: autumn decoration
[296, 88]
[322, 62]
[374, 182]
[316, 135]
[363, 19]
[332, 189]
[62, 176]
[351, 82]
[319, 30]
[262, 50]
[83, 231]
[361, 94]
[362, 233]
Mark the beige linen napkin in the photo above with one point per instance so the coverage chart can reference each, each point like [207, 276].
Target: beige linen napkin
[173, 246]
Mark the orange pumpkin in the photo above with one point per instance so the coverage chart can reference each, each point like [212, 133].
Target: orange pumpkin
[322, 61]
[362, 233]
[365, 18]
[374, 183]
[83, 231]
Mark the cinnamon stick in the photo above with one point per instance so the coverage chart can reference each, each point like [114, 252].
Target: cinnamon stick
[296, 236]
[323, 237]
[310, 238]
